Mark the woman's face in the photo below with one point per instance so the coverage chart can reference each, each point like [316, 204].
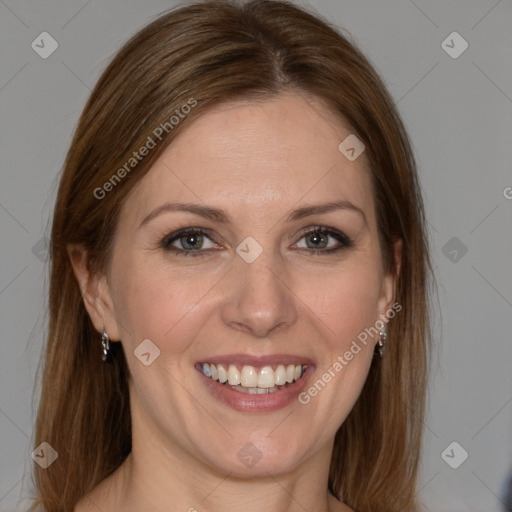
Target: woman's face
[251, 293]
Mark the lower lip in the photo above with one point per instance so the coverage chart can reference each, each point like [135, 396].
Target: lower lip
[257, 403]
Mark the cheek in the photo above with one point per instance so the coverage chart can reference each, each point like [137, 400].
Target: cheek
[347, 312]
[346, 301]
[152, 303]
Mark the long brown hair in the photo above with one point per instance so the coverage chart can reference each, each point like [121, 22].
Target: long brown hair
[212, 52]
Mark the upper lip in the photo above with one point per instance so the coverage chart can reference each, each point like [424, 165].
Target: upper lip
[265, 360]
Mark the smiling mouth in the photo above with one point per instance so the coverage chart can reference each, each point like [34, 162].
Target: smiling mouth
[251, 380]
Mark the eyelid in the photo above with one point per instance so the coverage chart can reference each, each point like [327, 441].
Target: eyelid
[176, 235]
[344, 241]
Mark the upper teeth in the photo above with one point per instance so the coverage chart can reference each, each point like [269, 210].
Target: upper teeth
[249, 377]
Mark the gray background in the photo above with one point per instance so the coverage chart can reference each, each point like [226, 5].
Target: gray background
[458, 114]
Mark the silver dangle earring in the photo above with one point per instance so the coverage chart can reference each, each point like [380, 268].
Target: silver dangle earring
[381, 345]
[105, 343]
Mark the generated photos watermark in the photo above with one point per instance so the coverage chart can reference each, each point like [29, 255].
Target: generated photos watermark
[151, 143]
[343, 360]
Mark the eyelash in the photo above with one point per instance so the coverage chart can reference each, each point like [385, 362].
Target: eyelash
[345, 241]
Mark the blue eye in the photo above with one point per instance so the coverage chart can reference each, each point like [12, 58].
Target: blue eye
[319, 235]
[192, 241]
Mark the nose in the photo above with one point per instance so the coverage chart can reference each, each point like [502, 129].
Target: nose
[258, 299]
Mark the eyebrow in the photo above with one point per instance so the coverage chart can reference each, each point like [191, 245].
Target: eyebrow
[221, 216]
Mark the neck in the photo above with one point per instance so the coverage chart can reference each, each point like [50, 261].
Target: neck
[156, 478]
[164, 473]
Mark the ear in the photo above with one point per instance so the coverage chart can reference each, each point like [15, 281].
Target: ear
[95, 292]
[388, 292]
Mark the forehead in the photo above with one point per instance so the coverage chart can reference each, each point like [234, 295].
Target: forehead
[258, 156]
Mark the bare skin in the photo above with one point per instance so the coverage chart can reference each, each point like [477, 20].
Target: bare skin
[258, 162]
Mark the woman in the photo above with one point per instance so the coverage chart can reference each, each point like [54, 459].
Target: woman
[239, 278]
